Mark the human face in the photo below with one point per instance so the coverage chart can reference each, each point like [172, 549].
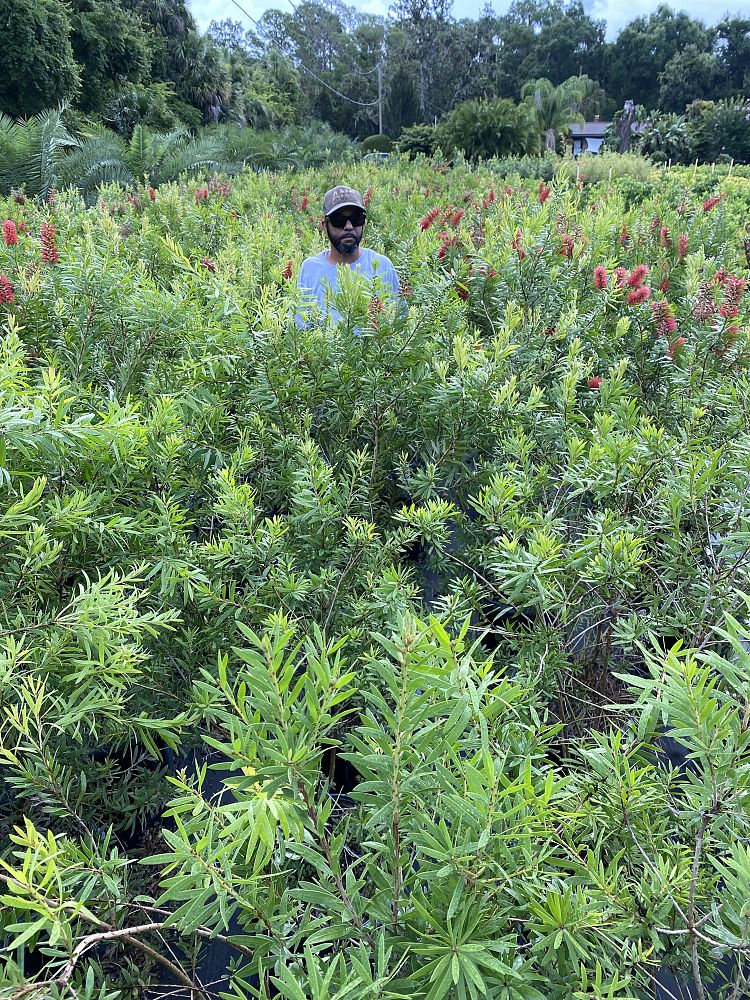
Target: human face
[345, 227]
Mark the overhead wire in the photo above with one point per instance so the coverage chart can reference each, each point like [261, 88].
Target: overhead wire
[367, 72]
[360, 104]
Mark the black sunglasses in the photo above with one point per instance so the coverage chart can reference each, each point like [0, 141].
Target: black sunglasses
[339, 219]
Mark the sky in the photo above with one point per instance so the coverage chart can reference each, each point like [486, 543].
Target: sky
[617, 13]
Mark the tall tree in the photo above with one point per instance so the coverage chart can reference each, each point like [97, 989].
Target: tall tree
[39, 68]
[690, 75]
[733, 52]
[642, 50]
[554, 107]
[111, 47]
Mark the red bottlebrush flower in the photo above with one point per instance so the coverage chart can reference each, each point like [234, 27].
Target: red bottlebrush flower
[720, 277]
[367, 197]
[233, 215]
[543, 192]
[676, 346]
[456, 217]
[663, 318]
[734, 289]
[201, 193]
[52, 196]
[664, 238]
[208, 264]
[566, 246]
[444, 246]
[655, 224]
[624, 235]
[427, 221]
[682, 246]
[516, 244]
[21, 227]
[10, 233]
[462, 292]
[508, 190]
[664, 286]
[374, 308]
[491, 272]
[287, 272]
[704, 307]
[304, 203]
[491, 197]
[595, 382]
[151, 193]
[7, 291]
[710, 203]
[621, 274]
[637, 276]
[639, 295]
[49, 243]
[600, 277]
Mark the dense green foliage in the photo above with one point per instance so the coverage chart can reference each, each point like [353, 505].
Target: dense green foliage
[129, 62]
[488, 556]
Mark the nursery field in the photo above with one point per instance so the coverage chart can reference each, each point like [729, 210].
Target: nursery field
[404, 656]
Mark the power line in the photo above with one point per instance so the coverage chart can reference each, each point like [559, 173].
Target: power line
[361, 104]
[367, 72]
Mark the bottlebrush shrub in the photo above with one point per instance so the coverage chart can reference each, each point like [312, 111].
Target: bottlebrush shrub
[417, 545]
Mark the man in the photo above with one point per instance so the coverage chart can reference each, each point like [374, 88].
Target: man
[344, 220]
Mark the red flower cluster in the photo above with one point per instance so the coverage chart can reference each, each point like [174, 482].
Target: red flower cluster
[676, 346]
[710, 203]
[10, 233]
[447, 242]
[462, 292]
[664, 286]
[704, 307]
[639, 295]
[720, 277]
[220, 187]
[489, 200]
[287, 272]
[201, 193]
[624, 235]
[304, 203]
[7, 291]
[600, 277]
[456, 217]
[637, 276]
[208, 264]
[664, 238]
[595, 382]
[682, 246]
[49, 243]
[367, 197]
[374, 308]
[621, 274]
[566, 245]
[543, 192]
[151, 193]
[516, 244]
[427, 221]
[664, 319]
[733, 291]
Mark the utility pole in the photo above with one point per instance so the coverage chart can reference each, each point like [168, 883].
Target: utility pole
[380, 98]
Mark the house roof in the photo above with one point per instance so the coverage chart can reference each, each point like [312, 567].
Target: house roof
[589, 130]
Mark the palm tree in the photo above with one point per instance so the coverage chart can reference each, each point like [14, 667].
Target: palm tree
[555, 107]
[485, 128]
[33, 151]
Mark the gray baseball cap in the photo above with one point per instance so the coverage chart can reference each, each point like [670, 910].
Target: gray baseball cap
[341, 197]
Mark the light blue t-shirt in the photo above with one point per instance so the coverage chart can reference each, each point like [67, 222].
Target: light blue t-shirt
[319, 279]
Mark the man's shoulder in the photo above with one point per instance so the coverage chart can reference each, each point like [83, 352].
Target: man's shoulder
[317, 260]
[377, 261]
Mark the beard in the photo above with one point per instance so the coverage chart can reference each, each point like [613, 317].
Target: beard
[345, 245]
